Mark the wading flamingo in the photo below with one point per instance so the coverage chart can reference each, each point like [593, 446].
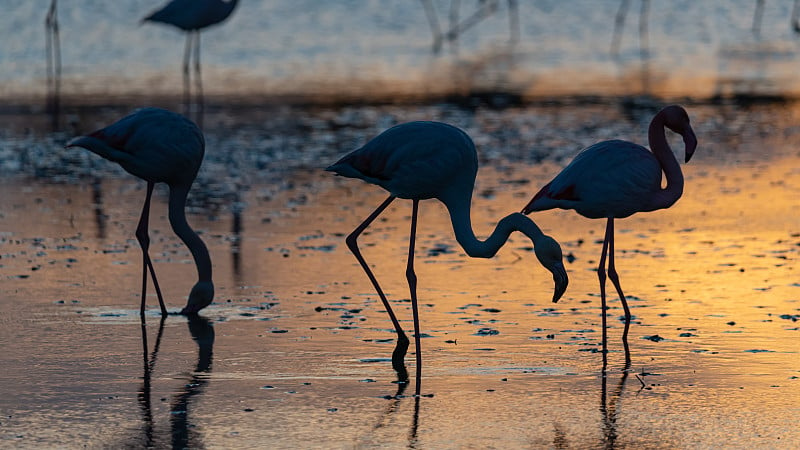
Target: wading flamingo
[614, 179]
[424, 160]
[160, 146]
[191, 16]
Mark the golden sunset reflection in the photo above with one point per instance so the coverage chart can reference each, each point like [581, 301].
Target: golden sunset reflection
[712, 283]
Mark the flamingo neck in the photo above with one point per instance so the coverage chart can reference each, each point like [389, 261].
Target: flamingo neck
[462, 226]
[177, 218]
[664, 198]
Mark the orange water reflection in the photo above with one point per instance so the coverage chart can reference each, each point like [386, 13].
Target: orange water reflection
[302, 347]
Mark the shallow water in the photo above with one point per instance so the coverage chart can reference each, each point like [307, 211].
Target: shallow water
[295, 350]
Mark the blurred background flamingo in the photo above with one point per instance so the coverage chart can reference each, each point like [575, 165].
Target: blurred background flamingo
[191, 16]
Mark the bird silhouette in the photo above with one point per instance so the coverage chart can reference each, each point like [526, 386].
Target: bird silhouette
[427, 160]
[192, 16]
[160, 146]
[614, 179]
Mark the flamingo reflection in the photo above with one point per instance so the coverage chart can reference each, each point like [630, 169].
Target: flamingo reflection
[183, 433]
[394, 406]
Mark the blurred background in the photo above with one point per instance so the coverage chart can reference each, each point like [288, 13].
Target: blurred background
[387, 51]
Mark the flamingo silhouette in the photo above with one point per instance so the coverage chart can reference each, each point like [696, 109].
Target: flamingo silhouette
[424, 160]
[191, 16]
[614, 179]
[157, 146]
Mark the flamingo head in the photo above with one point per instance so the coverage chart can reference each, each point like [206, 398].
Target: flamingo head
[677, 119]
[549, 254]
[202, 295]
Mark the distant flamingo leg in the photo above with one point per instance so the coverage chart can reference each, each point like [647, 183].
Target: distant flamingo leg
[601, 275]
[402, 340]
[412, 287]
[144, 241]
[187, 54]
[198, 81]
[53, 51]
[612, 275]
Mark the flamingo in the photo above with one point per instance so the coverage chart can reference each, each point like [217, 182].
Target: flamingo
[615, 179]
[425, 160]
[157, 146]
[191, 16]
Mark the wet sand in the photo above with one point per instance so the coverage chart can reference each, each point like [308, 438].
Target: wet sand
[295, 350]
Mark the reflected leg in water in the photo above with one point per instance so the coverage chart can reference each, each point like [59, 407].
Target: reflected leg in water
[401, 348]
[144, 395]
[402, 384]
[184, 432]
[100, 217]
[609, 407]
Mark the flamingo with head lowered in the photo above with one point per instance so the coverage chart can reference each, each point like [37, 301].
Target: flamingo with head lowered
[426, 160]
[160, 146]
[615, 179]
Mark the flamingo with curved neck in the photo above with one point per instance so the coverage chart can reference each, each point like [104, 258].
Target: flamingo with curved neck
[157, 145]
[614, 179]
[425, 160]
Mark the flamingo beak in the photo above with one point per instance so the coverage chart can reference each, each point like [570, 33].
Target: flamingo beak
[561, 280]
[527, 209]
[690, 142]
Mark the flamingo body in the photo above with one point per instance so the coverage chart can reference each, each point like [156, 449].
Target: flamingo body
[427, 160]
[608, 179]
[418, 160]
[191, 15]
[160, 146]
[153, 144]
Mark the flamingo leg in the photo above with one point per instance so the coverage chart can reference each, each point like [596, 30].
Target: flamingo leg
[513, 17]
[612, 275]
[412, 286]
[53, 51]
[144, 241]
[187, 54]
[434, 24]
[601, 275]
[198, 81]
[402, 340]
